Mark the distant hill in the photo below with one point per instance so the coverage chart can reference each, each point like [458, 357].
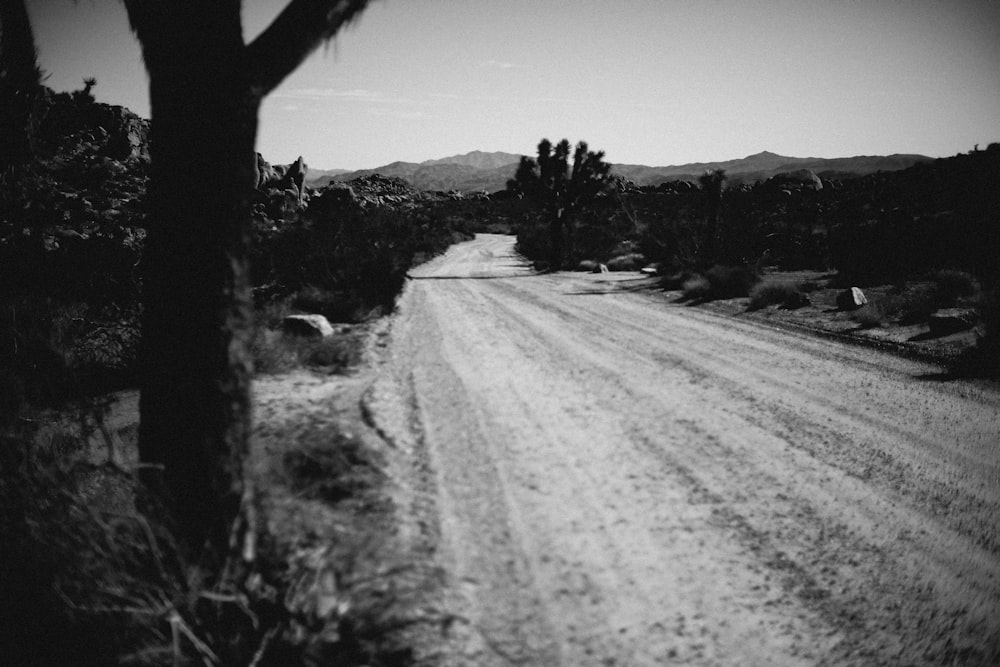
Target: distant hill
[764, 165]
[478, 170]
[316, 174]
[479, 160]
[471, 172]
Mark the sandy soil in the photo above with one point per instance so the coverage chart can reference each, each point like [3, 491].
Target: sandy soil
[608, 478]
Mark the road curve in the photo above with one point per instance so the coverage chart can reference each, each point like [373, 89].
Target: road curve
[615, 479]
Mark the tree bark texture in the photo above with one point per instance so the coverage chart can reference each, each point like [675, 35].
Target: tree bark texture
[19, 84]
[206, 86]
[197, 315]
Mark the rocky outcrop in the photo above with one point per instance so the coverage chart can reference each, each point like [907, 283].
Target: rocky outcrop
[281, 177]
[123, 136]
[369, 191]
[800, 179]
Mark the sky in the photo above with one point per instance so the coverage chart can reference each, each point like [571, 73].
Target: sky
[655, 82]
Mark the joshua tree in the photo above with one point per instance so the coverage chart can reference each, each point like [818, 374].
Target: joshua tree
[559, 193]
[85, 96]
[712, 182]
[206, 86]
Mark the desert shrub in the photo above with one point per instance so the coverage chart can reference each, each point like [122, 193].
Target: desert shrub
[91, 586]
[870, 315]
[276, 352]
[953, 285]
[910, 305]
[344, 260]
[271, 352]
[270, 313]
[35, 341]
[630, 262]
[339, 469]
[720, 282]
[989, 343]
[730, 281]
[810, 286]
[983, 360]
[771, 291]
[674, 280]
[336, 306]
[696, 287]
[333, 353]
[588, 265]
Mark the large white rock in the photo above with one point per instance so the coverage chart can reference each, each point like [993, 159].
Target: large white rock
[851, 299]
[310, 326]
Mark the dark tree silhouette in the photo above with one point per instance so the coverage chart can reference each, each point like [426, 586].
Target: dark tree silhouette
[712, 183]
[558, 192]
[205, 87]
[19, 85]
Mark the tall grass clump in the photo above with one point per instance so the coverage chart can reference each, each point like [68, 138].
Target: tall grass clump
[84, 577]
[984, 359]
[275, 351]
[731, 281]
[696, 288]
[772, 291]
[951, 286]
[632, 261]
[720, 282]
[908, 306]
[989, 343]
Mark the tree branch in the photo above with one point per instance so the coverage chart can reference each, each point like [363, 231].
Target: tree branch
[292, 36]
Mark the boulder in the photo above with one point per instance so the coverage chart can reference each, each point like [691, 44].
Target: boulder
[951, 320]
[307, 326]
[296, 175]
[851, 299]
[800, 179]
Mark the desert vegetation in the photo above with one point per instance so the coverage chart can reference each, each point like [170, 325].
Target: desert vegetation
[929, 231]
[72, 242]
[561, 202]
[127, 262]
[96, 551]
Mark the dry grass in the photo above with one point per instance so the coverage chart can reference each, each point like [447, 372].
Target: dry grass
[910, 305]
[276, 352]
[696, 288]
[952, 286]
[772, 291]
[719, 282]
[87, 579]
[629, 262]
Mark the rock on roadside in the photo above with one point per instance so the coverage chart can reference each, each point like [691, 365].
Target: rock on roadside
[851, 299]
[307, 325]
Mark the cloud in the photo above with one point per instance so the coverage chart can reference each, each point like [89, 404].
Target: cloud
[559, 101]
[350, 95]
[498, 64]
[401, 114]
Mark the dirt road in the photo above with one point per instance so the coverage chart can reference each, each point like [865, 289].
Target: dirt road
[613, 479]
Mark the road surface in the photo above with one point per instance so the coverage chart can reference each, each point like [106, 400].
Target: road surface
[614, 479]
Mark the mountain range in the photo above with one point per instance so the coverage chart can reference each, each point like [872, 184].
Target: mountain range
[479, 171]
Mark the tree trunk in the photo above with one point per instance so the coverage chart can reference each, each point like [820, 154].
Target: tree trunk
[197, 317]
[19, 84]
[555, 242]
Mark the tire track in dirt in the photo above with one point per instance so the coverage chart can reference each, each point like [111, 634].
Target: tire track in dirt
[620, 480]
